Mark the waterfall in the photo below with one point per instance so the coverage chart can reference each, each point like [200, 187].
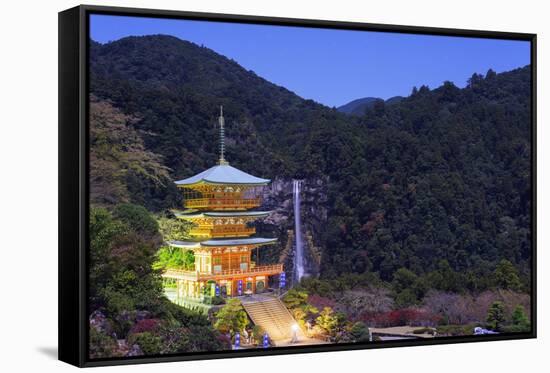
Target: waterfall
[299, 247]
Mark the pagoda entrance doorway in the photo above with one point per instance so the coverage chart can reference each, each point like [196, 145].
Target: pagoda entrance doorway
[226, 288]
[249, 286]
[260, 284]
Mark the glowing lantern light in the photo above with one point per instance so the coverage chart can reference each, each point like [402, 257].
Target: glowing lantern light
[282, 280]
[294, 329]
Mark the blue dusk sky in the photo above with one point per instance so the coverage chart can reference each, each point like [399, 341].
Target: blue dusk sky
[333, 67]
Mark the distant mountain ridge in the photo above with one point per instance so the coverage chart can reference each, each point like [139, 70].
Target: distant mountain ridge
[360, 105]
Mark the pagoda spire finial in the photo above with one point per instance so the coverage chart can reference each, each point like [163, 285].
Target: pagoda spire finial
[221, 121]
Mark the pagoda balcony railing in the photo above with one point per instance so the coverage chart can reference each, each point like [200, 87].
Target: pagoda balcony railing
[223, 231]
[222, 203]
[181, 274]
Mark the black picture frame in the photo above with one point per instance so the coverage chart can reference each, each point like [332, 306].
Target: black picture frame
[74, 189]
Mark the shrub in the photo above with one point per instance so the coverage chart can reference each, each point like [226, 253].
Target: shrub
[223, 341]
[138, 218]
[495, 316]
[121, 277]
[146, 325]
[403, 279]
[173, 257]
[456, 330]
[519, 317]
[506, 276]
[192, 338]
[204, 338]
[520, 322]
[424, 331]
[295, 298]
[231, 317]
[359, 332]
[117, 301]
[122, 323]
[173, 229]
[183, 316]
[405, 298]
[217, 300]
[149, 343]
[317, 286]
[331, 322]
[213, 300]
[101, 345]
[405, 316]
[258, 334]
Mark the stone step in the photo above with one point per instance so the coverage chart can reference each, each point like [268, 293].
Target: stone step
[272, 316]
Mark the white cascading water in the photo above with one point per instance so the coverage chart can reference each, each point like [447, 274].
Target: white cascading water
[299, 247]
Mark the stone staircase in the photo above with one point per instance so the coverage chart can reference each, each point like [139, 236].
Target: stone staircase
[272, 316]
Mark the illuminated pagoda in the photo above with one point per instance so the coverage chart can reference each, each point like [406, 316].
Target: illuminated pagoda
[218, 202]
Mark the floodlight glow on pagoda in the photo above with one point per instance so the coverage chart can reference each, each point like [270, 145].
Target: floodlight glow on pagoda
[218, 203]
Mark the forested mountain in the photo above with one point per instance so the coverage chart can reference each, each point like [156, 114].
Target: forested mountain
[443, 174]
[360, 105]
[176, 87]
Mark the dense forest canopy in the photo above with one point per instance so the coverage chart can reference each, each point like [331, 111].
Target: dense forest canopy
[437, 181]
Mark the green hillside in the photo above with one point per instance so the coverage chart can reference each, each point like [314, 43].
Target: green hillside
[442, 175]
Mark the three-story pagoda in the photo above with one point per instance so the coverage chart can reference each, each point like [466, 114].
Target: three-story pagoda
[219, 203]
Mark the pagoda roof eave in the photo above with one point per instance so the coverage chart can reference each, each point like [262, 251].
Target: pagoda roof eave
[222, 174]
[185, 244]
[255, 241]
[204, 182]
[214, 214]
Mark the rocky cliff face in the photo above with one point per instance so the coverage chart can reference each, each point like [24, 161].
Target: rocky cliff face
[278, 198]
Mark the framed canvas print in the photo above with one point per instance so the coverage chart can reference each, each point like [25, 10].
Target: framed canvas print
[235, 186]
